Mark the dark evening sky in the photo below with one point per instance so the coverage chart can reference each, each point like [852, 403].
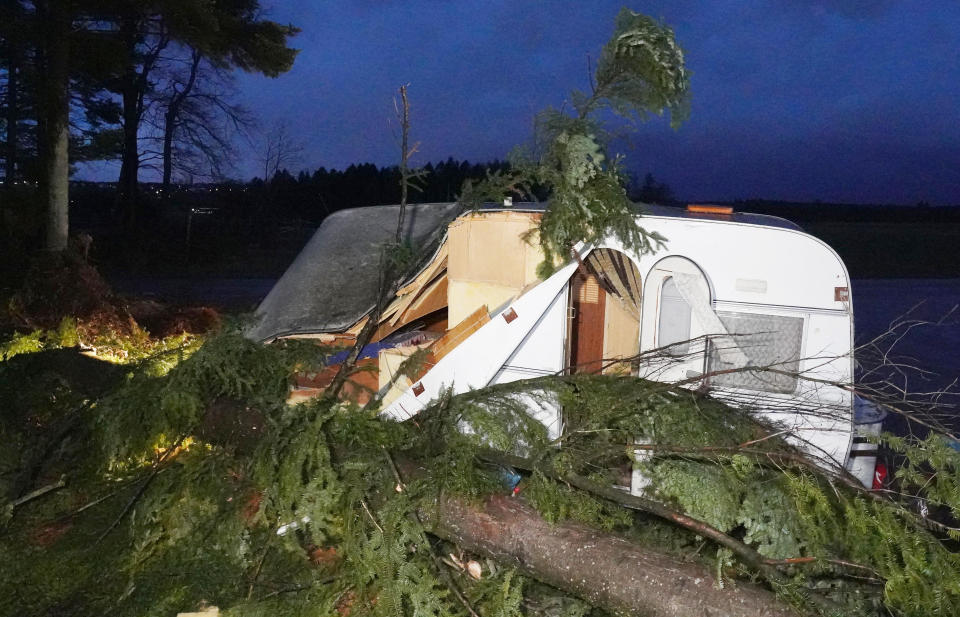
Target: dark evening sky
[839, 100]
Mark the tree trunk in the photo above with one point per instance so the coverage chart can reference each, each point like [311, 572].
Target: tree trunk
[10, 162]
[170, 119]
[129, 168]
[130, 165]
[54, 116]
[603, 569]
[169, 125]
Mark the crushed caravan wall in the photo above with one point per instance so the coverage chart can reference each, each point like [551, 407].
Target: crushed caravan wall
[489, 261]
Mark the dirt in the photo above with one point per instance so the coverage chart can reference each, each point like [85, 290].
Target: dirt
[66, 285]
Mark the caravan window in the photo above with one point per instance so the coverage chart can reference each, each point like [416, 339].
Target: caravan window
[766, 340]
[675, 318]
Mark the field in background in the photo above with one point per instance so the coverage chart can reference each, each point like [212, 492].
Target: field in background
[893, 250]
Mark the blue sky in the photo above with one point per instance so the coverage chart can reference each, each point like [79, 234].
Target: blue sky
[839, 100]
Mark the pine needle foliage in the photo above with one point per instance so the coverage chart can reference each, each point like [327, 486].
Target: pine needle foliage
[162, 514]
[641, 72]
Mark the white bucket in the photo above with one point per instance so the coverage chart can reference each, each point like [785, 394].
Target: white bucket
[862, 460]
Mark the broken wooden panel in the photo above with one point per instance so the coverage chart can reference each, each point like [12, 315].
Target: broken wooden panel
[360, 386]
[489, 261]
[436, 267]
[460, 332]
[324, 338]
[409, 294]
[425, 294]
[429, 306]
[392, 382]
[432, 298]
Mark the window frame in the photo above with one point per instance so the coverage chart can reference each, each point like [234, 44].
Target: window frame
[761, 311]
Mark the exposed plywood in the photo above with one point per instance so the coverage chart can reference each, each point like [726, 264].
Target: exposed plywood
[489, 261]
[489, 248]
[460, 332]
[321, 337]
[430, 300]
[360, 385]
[464, 297]
[390, 361]
[411, 294]
[356, 328]
[621, 336]
[435, 267]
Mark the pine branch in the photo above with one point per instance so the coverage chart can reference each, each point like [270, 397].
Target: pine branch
[157, 468]
[438, 564]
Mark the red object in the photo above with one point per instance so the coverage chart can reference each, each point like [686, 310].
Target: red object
[879, 476]
[709, 209]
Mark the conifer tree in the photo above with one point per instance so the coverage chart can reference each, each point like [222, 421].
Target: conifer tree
[230, 35]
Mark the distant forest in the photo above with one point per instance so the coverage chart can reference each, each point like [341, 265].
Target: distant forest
[311, 197]
[257, 228]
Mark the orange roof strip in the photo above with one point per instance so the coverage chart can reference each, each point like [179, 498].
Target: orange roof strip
[707, 209]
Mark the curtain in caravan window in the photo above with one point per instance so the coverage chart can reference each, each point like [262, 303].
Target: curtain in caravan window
[675, 317]
[689, 288]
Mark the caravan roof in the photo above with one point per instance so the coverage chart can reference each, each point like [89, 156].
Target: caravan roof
[333, 281]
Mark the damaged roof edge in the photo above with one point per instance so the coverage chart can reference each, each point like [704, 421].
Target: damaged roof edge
[333, 282]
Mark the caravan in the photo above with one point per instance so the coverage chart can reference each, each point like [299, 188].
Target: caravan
[746, 306]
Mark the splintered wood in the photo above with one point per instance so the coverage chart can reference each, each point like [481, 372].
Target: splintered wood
[460, 332]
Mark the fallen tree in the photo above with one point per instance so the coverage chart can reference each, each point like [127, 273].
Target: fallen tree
[156, 503]
[603, 569]
[192, 482]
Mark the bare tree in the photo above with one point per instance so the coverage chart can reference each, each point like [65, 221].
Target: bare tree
[279, 150]
[144, 45]
[194, 120]
[393, 269]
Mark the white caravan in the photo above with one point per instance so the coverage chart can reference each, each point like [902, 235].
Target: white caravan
[725, 292]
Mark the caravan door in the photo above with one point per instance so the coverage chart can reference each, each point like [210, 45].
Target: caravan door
[604, 315]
